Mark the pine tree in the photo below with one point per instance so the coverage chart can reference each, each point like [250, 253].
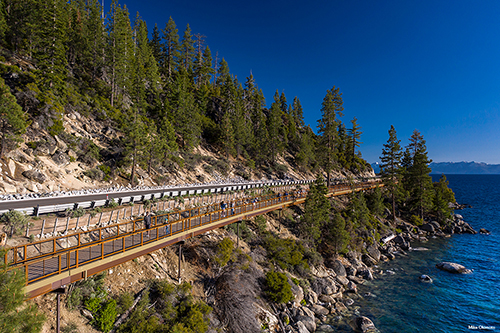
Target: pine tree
[336, 233]
[418, 179]
[50, 37]
[228, 134]
[3, 22]
[331, 108]
[443, 196]
[354, 136]
[317, 211]
[186, 117]
[298, 113]
[305, 156]
[341, 148]
[156, 47]
[274, 124]
[390, 168]
[170, 48]
[95, 39]
[17, 315]
[13, 121]
[120, 51]
[206, 71]
[187, 50]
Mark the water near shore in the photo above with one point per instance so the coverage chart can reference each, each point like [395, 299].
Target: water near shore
[452, 303]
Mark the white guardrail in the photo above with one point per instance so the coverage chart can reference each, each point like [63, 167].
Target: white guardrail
[169, 192]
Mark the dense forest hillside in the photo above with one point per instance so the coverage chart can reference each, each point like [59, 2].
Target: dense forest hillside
[128, 104]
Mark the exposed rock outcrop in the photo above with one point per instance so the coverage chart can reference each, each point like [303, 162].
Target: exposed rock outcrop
[453, 268]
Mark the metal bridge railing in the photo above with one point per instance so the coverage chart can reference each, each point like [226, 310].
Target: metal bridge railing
[50, 257]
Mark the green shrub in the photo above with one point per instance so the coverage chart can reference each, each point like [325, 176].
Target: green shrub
[106, 315]
[14, 221]
[173, 306]
[74, 299]
[287, 253]
[79, 212]
[224, 251]
[125, 301]
[261, 224]
[94, 174]
[93, 304]
[112, 203]
[416, 220]
[106, 170]
[72, 327]
[277, 287]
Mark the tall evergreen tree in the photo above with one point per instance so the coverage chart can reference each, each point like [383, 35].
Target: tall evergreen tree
[390, 168]
[187, 50]
[331, 108]
[317, 211]
[418, 179]
[17, 314]
[155, 45]
[50, 39]
[170, 48]
[336, 234]
[13, 121]
[305, 156]
[186, 117]
[274, 124]
[443, 196]
[120, 51]
[354, 136]
[298, 113]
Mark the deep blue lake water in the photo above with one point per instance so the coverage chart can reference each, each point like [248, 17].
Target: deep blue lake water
[453, 303]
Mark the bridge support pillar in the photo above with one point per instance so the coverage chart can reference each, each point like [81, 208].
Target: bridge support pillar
[238, 235]
[59, 291]
[180, 256]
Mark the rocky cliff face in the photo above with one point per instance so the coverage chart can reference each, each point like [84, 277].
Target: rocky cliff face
[86, 154]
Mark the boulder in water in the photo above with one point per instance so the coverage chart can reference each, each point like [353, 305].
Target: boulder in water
[362, 324]
[483, 231]
[425, 278]
[453, 268]
[337, 267]
[428, 227]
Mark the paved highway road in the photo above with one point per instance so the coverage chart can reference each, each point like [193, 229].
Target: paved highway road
[29, 203]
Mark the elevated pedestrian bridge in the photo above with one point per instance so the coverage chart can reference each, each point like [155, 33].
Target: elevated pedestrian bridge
[53, 263]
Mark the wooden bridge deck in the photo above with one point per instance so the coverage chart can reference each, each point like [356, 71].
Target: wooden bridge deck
[52, 263]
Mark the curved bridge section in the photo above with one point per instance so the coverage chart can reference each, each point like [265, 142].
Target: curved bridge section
[53, 263]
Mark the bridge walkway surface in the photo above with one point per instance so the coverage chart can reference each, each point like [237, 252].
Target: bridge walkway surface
[53, 263]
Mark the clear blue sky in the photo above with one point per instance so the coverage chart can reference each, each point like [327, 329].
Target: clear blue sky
[427, 65]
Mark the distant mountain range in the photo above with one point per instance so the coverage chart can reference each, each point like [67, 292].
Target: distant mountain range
[462, 168]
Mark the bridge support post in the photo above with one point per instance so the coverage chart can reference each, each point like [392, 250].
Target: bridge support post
[59, 291]
[180, 256]
[58, 320]
[238, 236]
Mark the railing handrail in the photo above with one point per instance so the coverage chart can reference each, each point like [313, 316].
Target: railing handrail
[181, 223]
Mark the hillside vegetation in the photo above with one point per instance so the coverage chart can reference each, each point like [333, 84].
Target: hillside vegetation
[102, 99]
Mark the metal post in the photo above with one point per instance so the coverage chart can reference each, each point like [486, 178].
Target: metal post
[55, 225]
[238, 238]
[179, 267]
[58, 312]
[43, 227]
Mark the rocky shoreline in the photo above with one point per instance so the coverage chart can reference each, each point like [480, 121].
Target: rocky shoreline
[331, 301]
